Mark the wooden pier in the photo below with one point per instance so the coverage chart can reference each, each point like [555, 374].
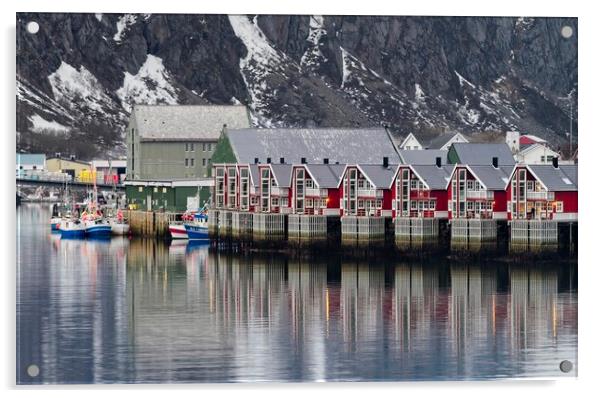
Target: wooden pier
[149, 223]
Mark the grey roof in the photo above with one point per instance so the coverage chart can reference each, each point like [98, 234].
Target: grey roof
[482, 154]
[187, 122]
[254, 171]
[381, 177]
[493, 178]
[555, 179]
[282, 174]
[439, 141]
[326, 175]
[434, 177]
[422, 156]
[343, 145]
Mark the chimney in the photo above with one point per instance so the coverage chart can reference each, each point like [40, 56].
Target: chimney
[438, 161]
[555, 162]
[326, 160]
[281, 160]
[385, 161]
[303, 160]
[494, 161]
[72, 157]
[268, 160]
[256, 160]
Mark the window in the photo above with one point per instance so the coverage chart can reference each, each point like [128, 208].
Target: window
[309, 203]
[275, 202]
[204, 147]
[413, 184]
[433, 204]
[186, 162]
[323, 203]
[139, 189]
[550, 158]
[543, 159]
[530, 185]
[379, 203]
[360, 204]
[413, 205]
[164, 190]
[192, 147]
[284, 202]
[192, 162]
[155, 189]
[470, 205]
[186, 147]
[470, 185]
[204, 162]
[209, 147]
[559, 207]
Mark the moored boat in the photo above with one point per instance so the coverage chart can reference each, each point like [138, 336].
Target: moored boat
[97, 228]
[178, 231]
[198, 229]
[55, 224]
[119, 228]
[72, 229]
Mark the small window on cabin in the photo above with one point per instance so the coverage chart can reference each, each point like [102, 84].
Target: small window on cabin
[204, 147]
[139, 189]
[550, 158]
[209, 147]
[155, 189]
[192, 162]
[164, 190]
[186, 162]
[192, 147]
[530, 185]
[470, 185]
[379, 203]
[543, 159]
[559, 207]
[204, 162]
[186, 147]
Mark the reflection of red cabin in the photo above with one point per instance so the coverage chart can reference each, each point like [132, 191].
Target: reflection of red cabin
[421, 191]
[235, 187]
[478, 191]
[366, 189]
[543, 192]
[315, 189]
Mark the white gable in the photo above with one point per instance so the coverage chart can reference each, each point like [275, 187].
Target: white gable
[410, 143]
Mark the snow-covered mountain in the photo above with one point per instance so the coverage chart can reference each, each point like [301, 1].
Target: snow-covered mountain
[79, 75]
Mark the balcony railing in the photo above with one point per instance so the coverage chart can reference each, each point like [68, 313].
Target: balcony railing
[420, 194]
[370, 193]
[479, 195]
[316, 192]
[276, 191]
[540, 195]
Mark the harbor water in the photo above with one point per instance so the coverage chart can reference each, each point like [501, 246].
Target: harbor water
[125, 310]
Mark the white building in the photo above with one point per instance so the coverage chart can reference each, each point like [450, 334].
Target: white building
[410, 143]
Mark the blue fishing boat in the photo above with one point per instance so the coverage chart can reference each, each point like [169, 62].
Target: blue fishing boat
[72, 229]
[198, 229]
[97, 228]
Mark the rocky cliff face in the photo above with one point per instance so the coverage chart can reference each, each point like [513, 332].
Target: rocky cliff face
[79, 75]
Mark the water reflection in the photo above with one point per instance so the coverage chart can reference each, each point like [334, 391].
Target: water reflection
[142, 311]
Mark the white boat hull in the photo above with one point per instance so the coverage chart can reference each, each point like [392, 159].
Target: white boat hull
[178, 231]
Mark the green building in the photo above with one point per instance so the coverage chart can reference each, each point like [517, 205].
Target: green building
[172, 195]
[169, 151]
[166, 142]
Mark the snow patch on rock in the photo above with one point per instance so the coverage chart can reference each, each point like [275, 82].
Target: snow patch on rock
[74, 86]
[124, 22]
[41, 124]
[151, 85]
[313, 55]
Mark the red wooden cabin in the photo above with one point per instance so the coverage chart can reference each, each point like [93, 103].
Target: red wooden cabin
[366, 189]
[478, 191]
[543, 192]
[315, 189]
[421, 191]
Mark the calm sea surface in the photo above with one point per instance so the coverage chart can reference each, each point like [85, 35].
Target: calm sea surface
[138, 311]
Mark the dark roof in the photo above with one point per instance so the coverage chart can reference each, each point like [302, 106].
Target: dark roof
[492, 178]
[439, 141]
[188, 122]
[381, 177]
[422, 156]
[434, 177]
[482, 154]
[343, 145]
[563, 178]
[326, 175]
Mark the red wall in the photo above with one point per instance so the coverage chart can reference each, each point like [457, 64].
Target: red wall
[441, 199]
[334, 198]
[500, 201]
[569, 201]
[387, 199]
